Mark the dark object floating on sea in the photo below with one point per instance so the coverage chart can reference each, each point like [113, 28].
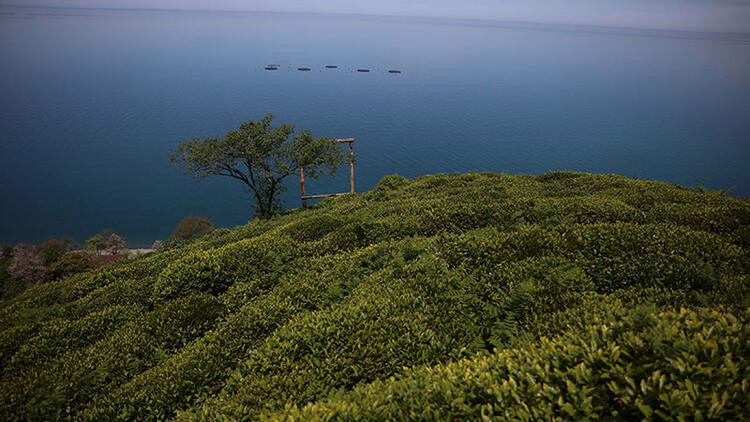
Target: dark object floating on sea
[303, 69]
[363, 70]
[394, 71]
[330, 66]
[271, 68]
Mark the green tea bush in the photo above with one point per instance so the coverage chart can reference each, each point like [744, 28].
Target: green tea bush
[214, 271]
[122, 293]
[57, 337]
[14, 338]
[54, 300]
[60, 387]
[670, 366]
[730, 218]
[203, 367]
[387, 324]
[481, 248]
[312, 228]
[68, 264]
[444, 271]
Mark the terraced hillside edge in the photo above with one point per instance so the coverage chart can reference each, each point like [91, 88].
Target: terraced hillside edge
[564, 295]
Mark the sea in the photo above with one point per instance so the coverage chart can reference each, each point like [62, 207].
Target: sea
[93, 101]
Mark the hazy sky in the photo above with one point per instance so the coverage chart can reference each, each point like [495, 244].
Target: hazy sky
[718, 15]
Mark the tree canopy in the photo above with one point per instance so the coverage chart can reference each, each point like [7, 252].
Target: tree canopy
[70, 263]
[53, 249]
[27, 265]
[260, 155]
[96, 243]
[191, 228]
[107, 240]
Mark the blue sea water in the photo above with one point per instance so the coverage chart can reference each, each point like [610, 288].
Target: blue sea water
[92, 102]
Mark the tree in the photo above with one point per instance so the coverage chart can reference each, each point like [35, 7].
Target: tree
[107, 240]
[6, 251]
[96, 244]
[52, 249]
[26, 265]
[260, 156]
[9, 286]
[115, 244]
[158, 245]
[192, 227]
[69, 264]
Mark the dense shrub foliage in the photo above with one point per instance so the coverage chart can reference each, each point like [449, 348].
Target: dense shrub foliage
[9, 286]
[667, 366]
[471, 296]
[68, 264]
[191, 228]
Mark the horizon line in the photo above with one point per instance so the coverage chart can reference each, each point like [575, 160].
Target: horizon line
[556, 25]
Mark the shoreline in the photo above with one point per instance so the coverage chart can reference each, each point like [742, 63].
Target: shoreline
[128, 251]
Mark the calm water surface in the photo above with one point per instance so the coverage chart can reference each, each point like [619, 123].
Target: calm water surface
[92, 103]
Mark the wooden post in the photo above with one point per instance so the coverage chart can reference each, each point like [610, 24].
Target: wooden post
[351, 165]
[302, 184]
[305, 197]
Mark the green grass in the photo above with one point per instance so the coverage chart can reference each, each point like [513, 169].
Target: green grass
[563, 295]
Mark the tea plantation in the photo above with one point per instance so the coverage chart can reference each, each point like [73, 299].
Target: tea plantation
[563, 296]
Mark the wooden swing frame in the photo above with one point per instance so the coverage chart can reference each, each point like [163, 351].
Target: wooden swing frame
[305, 197]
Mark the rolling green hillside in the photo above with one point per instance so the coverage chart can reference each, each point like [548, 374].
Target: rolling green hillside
[446, 296]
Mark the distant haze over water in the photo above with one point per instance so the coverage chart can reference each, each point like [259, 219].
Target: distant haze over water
[93, 101]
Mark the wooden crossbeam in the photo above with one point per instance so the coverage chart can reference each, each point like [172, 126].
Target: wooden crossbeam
[350, 141]
[325, 195]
